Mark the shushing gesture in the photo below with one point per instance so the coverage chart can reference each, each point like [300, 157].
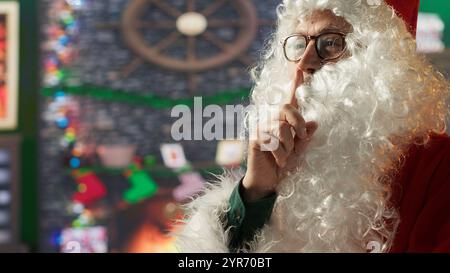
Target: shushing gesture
[276, 147]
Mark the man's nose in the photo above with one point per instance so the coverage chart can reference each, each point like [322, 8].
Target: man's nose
[310, 62]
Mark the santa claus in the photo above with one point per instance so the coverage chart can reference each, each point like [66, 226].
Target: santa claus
[361, 164]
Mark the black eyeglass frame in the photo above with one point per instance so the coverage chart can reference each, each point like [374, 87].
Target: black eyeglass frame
[309, 38]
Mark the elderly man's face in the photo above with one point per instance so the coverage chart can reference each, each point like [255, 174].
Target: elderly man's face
[319, 22]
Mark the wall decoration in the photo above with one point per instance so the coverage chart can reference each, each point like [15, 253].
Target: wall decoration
[84, 240]
[191, 184]
[59, 47]
[149, 99]
[116, 156]
[90, 188]
[9, 35]
[142, 185]
[173, 155]
[186, 25]
[230, 153]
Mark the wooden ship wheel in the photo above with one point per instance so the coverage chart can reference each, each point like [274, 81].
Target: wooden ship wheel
[193, 23]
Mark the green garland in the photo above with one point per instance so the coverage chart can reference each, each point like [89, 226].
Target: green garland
[159, 172]
[149, 99]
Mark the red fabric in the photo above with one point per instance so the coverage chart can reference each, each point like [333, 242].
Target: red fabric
[408, 10]
[422, 194]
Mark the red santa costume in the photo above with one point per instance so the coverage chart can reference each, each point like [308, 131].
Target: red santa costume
[377, 171]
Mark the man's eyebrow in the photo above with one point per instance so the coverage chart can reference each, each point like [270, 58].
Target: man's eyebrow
[329, 28]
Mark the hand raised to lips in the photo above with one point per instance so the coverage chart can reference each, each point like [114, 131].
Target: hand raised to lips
[266, 168]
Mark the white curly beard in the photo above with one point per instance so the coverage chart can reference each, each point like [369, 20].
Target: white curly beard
[335, 202]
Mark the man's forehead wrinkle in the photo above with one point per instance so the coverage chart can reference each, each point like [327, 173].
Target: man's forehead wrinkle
[314, 26]
[321, 20]
[331, 26]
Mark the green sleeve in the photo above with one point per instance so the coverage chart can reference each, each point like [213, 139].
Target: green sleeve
[245, 218]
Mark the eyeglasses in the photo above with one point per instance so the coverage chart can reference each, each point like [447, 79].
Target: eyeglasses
[329, 46]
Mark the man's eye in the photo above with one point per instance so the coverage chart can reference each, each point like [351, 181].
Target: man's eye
[329, 43]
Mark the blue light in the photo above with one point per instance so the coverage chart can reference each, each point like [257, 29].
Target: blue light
[62, 123]
[56, 238]
[76, 4]
[59, 94]
[64, 40]
[75, 162]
